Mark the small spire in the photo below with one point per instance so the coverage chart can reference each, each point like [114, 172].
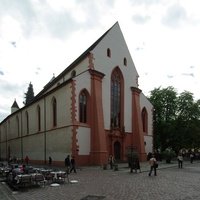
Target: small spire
[15, 105]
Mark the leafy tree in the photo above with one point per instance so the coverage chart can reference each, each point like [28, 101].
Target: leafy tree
[29, 96]
[176, 119]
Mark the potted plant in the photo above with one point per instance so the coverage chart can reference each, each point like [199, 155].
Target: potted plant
[168, 155]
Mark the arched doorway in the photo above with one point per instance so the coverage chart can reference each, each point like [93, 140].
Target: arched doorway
[117, 150]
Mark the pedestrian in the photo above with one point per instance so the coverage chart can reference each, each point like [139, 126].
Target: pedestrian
[153, 165]
[73, 165]
[50, 160]
[67, 163]
[111, 161]
[26, 160]
[137, 162]
[191, 157]
[180, 160]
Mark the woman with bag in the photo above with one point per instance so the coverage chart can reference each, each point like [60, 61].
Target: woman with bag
[153, 165]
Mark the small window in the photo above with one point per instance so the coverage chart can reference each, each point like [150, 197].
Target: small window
[108, 53]
[73, 74]
[125, 62]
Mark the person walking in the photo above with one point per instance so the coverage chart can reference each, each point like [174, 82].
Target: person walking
[111, 161]
[26, 160]
[191, 157]
[153, 165]
[67, 163]
[180, 160]
[50, 160]
[73, 165]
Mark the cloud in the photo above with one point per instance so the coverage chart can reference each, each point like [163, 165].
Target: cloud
[9, 88]
[139, 19]
[170, 76]
[175, 16]
[188, 74]
[145, 2]
[1, 73]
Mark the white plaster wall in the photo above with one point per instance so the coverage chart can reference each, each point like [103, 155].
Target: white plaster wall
[15, 148]
[149, 145]
[58, 143]
[114, 40]
[33, 147]
[83, 137]
[3, 150]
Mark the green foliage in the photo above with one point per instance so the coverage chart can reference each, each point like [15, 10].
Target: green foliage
[29, 96]
[168, 155]
[176, 119]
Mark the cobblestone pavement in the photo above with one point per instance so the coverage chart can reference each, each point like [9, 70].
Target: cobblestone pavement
[95, 183]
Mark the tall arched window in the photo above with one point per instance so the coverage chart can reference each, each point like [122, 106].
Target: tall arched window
[17, 123]
[39, 117]
[116, 98]
[54, 109]
[144, 120]
[83, 107]
[27, 123]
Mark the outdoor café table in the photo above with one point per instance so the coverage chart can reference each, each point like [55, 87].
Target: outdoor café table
[37, 178]
[23, 179]
[58, 175]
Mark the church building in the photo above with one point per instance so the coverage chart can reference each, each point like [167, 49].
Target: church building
[91, 110]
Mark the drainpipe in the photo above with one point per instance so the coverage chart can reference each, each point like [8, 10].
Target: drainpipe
[22, 156]
[45, 157]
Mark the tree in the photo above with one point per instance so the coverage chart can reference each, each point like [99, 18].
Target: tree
[164, 102]
[176, 119]
[29, 96]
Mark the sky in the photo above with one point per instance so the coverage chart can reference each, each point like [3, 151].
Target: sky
[40, 38]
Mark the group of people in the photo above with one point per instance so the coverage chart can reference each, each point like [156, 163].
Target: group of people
[70, 164]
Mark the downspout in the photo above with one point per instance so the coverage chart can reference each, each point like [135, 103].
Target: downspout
[45, 158]
[22, 156]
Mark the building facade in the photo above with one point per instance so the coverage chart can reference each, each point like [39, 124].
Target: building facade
[93, 109]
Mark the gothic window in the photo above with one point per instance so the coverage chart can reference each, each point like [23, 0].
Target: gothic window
[54, 111]
[27, 122]
[83, 107]
[108, 53]
[144, 120]
[125, 62]
[116, 97]
[39, 117]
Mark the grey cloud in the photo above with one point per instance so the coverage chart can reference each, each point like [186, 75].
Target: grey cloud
[188, 74]
[139, 19]
[23, 11]
[145, 2]
[3, 115]
[1, 73]
[7, 88]
[175, 16]
[170, 76]
[38, 17]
